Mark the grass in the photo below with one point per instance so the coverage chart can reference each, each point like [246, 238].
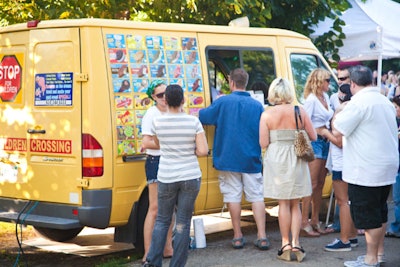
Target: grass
[7, 231]
[114, 262]
[9, 248]
[6, 227]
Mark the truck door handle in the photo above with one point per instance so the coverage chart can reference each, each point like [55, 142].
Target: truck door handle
[33, 131]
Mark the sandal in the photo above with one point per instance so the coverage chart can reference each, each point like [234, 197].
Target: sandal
[262, 243]
[329, 230]
[308, 231]
[317, 228]
[299, 252]
[238, 243]
[284, 254]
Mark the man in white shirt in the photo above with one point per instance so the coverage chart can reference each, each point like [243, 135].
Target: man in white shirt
[368, 124]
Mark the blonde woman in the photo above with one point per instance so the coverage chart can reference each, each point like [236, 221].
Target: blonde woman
[286, 177]
[317, 107]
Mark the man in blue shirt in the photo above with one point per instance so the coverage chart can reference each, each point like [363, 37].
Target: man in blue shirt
[237, 154]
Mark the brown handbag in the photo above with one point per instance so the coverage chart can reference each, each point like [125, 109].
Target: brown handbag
[302, 144]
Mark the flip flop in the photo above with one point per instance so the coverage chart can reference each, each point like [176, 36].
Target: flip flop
[318, 228]
[308, 231]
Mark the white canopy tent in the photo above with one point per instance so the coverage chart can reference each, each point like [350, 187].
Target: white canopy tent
[372, 31]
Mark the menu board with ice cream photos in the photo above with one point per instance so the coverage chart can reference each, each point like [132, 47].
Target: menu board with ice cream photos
[135, 61]
[139, 114]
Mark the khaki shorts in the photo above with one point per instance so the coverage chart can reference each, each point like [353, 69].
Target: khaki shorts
[232, 184]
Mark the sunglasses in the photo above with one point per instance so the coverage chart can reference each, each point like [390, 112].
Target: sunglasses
[160, 95]
[328, 80]
[343, 78]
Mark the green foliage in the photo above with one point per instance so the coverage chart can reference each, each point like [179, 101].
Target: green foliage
[294, 15]
[17, 11]
[114, 262]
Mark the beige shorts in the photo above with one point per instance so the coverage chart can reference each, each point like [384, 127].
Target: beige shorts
[232, 184]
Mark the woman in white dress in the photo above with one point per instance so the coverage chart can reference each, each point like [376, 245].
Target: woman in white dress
[286, 177]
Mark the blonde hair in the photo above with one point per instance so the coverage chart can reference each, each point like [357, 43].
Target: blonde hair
[315, 80]
[392, 78]
[280, 91]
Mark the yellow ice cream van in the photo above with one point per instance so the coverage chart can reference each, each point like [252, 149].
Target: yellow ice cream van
[72, 96]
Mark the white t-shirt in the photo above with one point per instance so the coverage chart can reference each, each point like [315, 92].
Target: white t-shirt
[319, 115]
[337, 157]
[334, 100]
[368, 123]
[147, 122]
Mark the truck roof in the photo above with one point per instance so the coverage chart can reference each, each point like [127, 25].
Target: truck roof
[164, 26]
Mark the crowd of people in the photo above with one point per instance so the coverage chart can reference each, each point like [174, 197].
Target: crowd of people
[354, 135]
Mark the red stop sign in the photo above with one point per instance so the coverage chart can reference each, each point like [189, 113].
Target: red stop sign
[10, 78]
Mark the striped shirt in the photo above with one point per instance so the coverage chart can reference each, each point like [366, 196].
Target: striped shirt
[177, 136]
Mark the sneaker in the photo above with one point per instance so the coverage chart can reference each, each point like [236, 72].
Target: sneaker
[358, 263]
[338, 245]
[381, 258]
[353, 242]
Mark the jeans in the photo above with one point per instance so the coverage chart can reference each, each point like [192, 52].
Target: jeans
[395, 225]
[181, 195]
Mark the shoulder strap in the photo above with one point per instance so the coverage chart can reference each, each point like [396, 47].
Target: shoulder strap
[297, 114]
[296, 111]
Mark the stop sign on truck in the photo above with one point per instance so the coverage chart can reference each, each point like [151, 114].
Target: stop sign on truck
[10, 78]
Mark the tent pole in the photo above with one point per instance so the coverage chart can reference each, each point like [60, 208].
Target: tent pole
[379, 71]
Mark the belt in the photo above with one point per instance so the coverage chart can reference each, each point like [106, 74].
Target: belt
[152, 157]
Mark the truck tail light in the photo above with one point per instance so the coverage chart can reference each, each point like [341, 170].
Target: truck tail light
[92, 157]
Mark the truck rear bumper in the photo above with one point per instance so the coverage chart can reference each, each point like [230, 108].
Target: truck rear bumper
[94, 212]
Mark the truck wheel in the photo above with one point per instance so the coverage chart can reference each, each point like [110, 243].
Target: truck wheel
[141, 216]
[57, 234]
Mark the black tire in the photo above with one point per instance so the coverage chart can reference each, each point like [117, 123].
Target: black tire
[57, 234]
[141, 216]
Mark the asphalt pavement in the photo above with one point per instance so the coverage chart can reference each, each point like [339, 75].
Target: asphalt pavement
[219, 252]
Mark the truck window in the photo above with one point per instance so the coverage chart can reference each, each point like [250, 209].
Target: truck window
[259, 63]
[302, 65]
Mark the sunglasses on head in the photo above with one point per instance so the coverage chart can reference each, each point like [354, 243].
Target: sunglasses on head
[160, 95]
[343, 78]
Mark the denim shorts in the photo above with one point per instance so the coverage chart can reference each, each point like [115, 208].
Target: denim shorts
[320, 147]
[151, 168]
[337, 176]
[368, 206]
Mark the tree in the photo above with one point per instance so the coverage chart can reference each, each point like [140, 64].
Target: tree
[17, 11]
[294, 15]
